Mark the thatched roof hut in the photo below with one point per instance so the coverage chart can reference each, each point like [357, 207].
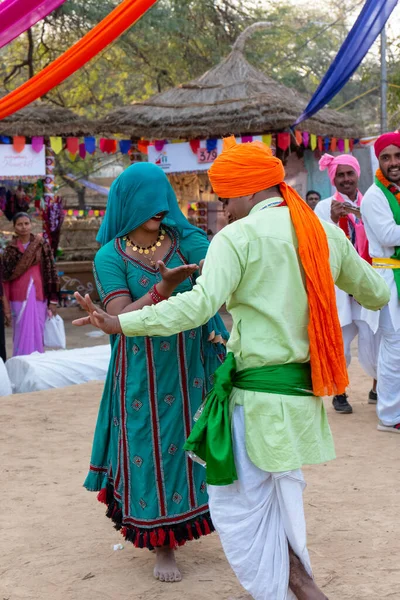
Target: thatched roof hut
[233, 97]
[41, 119]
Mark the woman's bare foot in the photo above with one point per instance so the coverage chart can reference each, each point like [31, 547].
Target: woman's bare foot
[166, 568]
[301, 584]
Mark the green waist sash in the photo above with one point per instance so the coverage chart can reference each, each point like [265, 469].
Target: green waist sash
[395, 208]
[211, 438]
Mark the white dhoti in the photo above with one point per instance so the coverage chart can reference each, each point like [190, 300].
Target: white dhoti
[257, 517]
[388, 407]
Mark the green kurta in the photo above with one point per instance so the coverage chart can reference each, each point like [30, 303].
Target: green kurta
[253, 266]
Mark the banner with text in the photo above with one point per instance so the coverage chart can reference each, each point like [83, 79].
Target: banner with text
[21, 164]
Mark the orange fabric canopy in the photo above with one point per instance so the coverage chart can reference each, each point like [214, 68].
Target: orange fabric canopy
[111, 27]
[245, 169]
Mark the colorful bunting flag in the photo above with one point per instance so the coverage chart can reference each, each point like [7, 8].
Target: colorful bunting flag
[299, 137]
[90, 144]
[306, 139]
[246, 139]
[82, 151]
[159, 145]
[73, 145]
[283, 141]
[194, 145]
[327, 142]
[313, 141]
[333, 144]
[37, 143]
[56, 144]
[320, 143]
[125, 146]
[211, 144]
[19, 143]
[267, 139]
[340, 145]
[346, 145]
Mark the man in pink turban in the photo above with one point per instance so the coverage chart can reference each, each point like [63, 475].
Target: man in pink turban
[343, 209]
[381, 216]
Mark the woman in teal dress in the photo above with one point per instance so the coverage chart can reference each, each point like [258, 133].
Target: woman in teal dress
[154, 493]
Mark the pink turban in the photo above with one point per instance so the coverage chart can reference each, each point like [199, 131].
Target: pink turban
[385, 140]
[332, 162]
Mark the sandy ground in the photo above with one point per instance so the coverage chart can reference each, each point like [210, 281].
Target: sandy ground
[55, 542]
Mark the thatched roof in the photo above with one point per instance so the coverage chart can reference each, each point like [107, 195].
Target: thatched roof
[233, 97]
[41, 119]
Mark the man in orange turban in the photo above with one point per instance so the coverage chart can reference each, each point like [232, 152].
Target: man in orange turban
[274, 266]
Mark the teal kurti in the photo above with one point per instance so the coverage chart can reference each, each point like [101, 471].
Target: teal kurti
[154, 387]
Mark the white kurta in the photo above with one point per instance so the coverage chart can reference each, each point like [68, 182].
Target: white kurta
[354, 318]
[383, 235]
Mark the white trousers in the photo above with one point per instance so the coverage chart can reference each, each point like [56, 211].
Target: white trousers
[388, 407]
[256, 518]
[368, 345]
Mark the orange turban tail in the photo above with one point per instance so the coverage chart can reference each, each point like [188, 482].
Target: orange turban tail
[243, 169]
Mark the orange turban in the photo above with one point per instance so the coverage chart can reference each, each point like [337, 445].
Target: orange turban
[243, 169]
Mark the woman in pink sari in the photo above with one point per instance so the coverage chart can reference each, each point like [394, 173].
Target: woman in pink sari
[31, 285]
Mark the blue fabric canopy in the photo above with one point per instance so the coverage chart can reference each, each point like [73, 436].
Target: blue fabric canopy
[364, 32]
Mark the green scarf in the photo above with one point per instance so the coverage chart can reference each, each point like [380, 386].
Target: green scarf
[211, 438]
[395, 208]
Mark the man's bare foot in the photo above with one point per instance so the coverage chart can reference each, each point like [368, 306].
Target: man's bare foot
[166, 568]
[301, 584]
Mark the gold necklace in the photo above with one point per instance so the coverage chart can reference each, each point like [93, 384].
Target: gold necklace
[146, 249]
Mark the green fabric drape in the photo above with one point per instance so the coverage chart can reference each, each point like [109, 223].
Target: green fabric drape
[395, 208]
[211, 438]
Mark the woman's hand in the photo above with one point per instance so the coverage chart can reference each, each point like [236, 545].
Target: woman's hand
[7, 319]
[96, 317]
[171, 278]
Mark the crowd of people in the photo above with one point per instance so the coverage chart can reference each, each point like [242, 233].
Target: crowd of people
[200, 430]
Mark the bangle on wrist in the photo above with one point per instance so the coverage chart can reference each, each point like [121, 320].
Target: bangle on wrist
[53, 302]
[156, 296]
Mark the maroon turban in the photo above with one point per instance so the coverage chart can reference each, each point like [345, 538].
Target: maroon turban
[385, 140]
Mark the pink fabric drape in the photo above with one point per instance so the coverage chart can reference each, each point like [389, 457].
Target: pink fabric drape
[17, 16]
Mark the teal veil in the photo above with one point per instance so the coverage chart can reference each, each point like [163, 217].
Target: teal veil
[138, 194]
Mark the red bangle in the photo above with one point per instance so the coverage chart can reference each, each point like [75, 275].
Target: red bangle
[156, 296]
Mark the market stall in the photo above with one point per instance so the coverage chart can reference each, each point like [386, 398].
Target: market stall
[181, 129]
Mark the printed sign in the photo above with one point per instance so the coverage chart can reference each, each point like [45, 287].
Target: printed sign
[179, 158]
[204, 156]
[22, 164]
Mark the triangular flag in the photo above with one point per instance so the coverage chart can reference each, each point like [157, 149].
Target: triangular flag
[306, 139]
[283, 141]
[37, 143]
[194, 145]
[299, 137]
[246, 139]
[340, 145]
[82, 151]
[211, 144]
[320, 143]
[333, 144]
[4, 139]
[351, 144]
[159, 145]
[19, 143]
[73, 145]
[327, 142]
[125, 146]
[56, 144]
[346, 145]
[267, 139]
[142, 146]
[90, 144]
[313, 141]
